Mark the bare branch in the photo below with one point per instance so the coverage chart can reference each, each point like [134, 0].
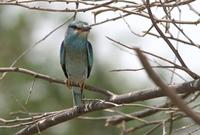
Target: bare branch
[192, 74]
[52, 80]
[34, 45]
[164, 38]
[170, 92]
[130, 97]
[116, 119]
[166, 23]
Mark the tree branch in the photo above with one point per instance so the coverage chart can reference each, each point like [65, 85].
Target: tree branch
[130, 97]
[53, 80]
[176, 53]
[188, 71]
[170, 92]
[116, 119]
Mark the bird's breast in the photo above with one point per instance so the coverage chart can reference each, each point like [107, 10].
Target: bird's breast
[76, 60]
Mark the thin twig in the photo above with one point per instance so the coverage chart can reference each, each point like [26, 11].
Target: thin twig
[99, 105]
[34, 45]
[176, 53]
[170, 92]
[52, 80]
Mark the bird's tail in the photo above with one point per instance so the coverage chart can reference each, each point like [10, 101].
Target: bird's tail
[77, 96]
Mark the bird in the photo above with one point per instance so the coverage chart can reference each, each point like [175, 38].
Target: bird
[76, 58]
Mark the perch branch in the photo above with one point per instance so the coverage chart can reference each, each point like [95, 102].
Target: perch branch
[52, 79]
[130, 97]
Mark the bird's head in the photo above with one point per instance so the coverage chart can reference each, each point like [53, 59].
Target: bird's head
[78, 28]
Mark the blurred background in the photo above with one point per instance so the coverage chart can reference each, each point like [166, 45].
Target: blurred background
[21, 28]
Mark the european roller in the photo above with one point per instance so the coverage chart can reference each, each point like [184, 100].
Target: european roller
[76, 58]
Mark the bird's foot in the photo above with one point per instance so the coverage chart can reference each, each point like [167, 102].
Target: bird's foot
[69, 83]
[81, 85]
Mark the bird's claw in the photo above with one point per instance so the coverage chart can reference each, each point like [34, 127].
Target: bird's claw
[81, 85]
[69, 83]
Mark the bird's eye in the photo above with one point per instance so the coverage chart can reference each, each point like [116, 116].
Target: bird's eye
[73, 27]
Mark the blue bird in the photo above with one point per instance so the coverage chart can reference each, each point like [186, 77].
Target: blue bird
[76, 58]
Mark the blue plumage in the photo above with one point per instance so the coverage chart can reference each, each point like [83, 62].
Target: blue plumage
[76, 57]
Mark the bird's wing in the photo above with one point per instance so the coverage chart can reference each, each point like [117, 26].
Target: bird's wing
[89, 57]
[62, 58]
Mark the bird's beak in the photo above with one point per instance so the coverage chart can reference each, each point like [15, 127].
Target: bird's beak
[86, 28]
